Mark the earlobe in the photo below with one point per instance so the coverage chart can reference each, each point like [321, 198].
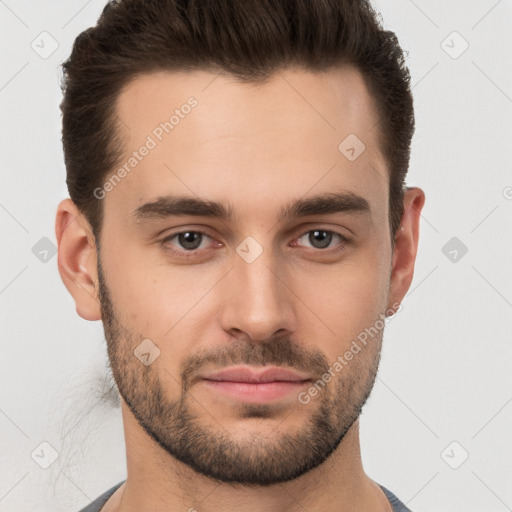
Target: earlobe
[406, 246]
[77, 259]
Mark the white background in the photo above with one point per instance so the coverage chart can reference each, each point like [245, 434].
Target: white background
[445, 371]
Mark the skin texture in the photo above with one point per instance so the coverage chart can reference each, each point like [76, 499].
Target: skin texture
[254, 148]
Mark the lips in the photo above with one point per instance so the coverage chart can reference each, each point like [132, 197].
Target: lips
[251, 375]
[258, 386]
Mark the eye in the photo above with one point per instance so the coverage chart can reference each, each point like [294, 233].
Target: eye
[322, 238]
[191, 243]
[187, 241]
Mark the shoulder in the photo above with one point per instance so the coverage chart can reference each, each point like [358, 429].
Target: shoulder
[397, 505]
[97, 504]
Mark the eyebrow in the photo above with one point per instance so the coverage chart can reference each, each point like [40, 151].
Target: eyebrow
[327, 203]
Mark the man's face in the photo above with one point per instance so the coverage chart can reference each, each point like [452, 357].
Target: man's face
[254, 289]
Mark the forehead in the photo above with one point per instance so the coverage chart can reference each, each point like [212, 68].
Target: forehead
[209, 135]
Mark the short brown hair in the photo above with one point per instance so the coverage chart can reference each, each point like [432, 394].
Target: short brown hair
[249, 39]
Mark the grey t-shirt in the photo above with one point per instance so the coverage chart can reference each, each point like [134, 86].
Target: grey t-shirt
[98, 503]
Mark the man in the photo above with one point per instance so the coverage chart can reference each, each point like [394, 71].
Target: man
[239, 222]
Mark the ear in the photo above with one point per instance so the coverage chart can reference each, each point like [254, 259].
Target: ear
[406, 246]
[77, 259]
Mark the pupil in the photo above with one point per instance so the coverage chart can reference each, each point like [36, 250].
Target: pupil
[318, 238]
[189, 239]
[323, 237]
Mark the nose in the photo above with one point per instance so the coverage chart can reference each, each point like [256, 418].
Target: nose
[258, 301]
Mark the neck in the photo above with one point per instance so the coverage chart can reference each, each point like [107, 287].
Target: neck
[156, 480]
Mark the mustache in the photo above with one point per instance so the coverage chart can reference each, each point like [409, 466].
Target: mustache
[280, 351]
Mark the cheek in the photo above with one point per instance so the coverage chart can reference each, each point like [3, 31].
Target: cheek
[156, 299]
[347, 297]
[138, 297]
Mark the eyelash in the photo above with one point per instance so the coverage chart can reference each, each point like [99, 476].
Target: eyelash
[192, 253]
